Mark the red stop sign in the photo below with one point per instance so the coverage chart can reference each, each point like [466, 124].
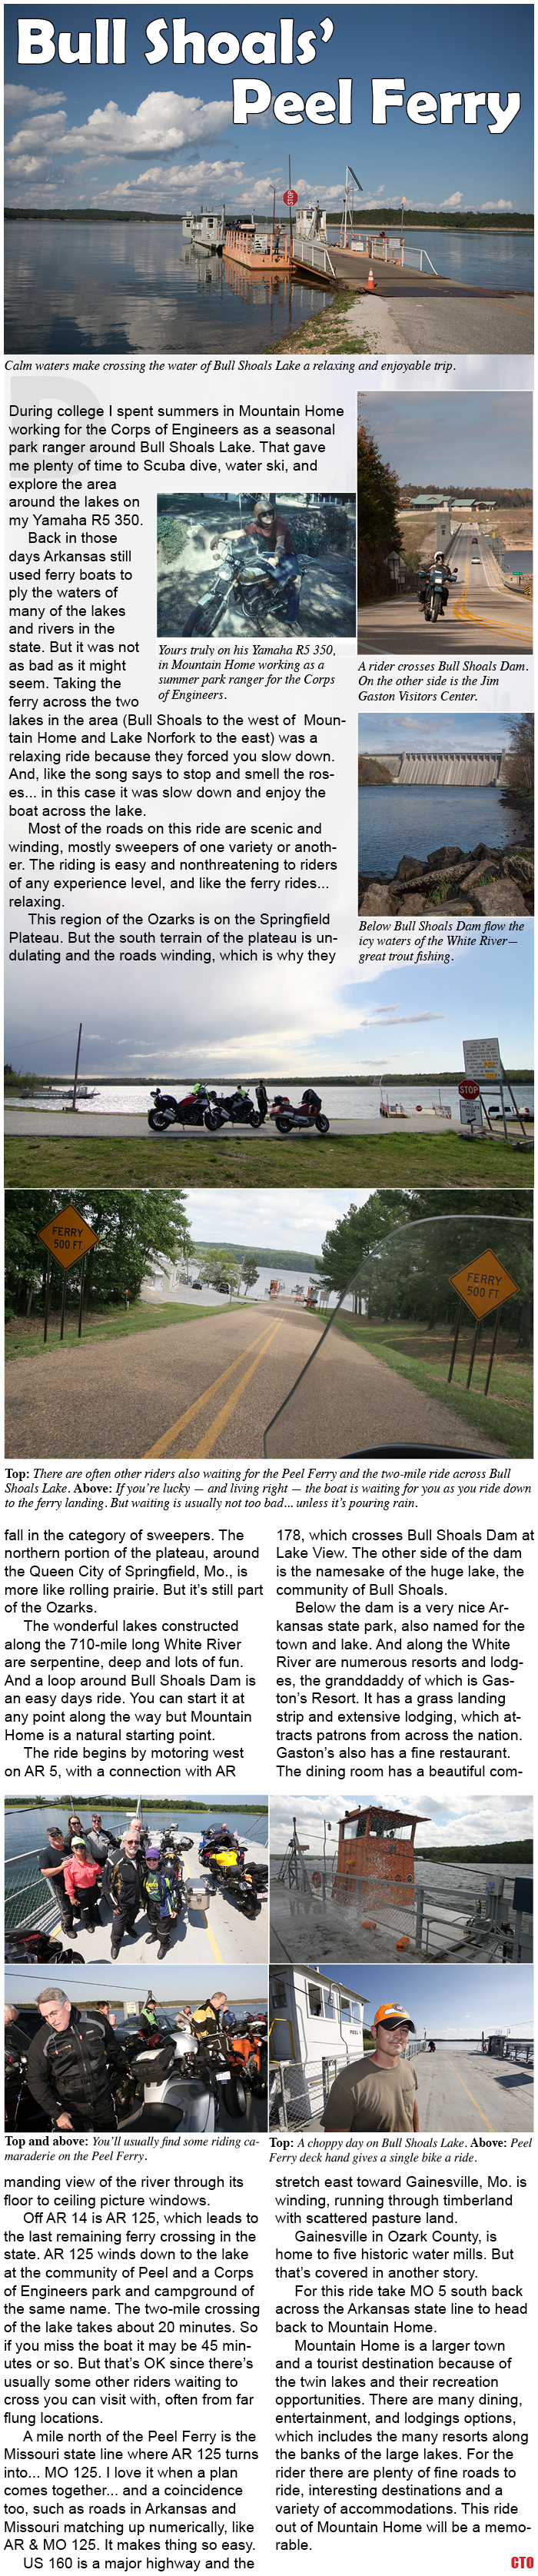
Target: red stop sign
[290, 197]
[469, 1090]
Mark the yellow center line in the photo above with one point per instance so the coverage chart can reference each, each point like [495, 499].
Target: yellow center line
[197, 1407]
[216, 1953]
[461, 611]
[208, 1443]
[476, 2105]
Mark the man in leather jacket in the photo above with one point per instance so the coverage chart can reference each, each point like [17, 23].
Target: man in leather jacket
[70, 2063]
[123, 1880]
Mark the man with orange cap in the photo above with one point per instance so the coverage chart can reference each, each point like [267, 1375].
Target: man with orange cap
[377, 2091]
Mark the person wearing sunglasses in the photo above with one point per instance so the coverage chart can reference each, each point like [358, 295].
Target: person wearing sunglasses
[378, 2091]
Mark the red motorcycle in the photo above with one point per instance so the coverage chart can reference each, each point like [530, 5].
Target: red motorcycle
[193, 1111]
[303, 1114]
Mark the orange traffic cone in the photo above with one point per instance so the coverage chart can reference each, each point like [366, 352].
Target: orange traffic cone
[370, 284]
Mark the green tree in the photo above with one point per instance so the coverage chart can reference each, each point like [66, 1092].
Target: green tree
[135, 1227]
[517, 791]
[219, 1268]
[378, 532]
[249, 1273]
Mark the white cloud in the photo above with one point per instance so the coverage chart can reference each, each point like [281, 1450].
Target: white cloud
[447, 202]
[19, 101]
[163, 124]
[497, 206]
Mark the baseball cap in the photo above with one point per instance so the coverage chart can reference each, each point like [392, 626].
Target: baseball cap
[391, 2015]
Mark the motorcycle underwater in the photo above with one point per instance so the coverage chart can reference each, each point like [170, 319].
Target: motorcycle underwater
[304, 1113]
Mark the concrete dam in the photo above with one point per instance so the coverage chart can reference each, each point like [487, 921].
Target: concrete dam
[446, 768]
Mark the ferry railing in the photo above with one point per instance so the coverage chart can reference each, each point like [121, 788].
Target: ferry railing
[314, 255]
[395, 253]
[28, 1900]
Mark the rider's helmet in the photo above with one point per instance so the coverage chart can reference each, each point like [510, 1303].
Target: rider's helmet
[439, 559]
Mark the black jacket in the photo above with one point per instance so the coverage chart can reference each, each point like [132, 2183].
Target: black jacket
[71, 2069]
[123, 1880]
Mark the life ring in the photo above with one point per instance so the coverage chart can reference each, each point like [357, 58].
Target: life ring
[316, 1878]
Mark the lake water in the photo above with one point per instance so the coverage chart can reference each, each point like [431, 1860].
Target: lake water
[520, 561]
[131, 288]
[473, 259]
[26, 1831]
[353, 1100]
[410, 821]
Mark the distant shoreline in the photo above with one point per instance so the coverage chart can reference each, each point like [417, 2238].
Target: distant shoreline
[138, 215]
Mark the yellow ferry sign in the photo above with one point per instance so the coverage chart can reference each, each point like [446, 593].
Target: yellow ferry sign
[68, 1237]
[484, 1284]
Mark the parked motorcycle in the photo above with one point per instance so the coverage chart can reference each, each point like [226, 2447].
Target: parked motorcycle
[302, 1114]
[248, 582]
[168, 1112]
[246, 1881]
[201, 2088]
[25, 1947]
[235, 1109]
[247, 2041]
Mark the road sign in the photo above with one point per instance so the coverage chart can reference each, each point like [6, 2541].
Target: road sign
[471, 1109]
[68, 1237]
[469, 1090]
[484, 1284]
[482, 1059]
[290, 197]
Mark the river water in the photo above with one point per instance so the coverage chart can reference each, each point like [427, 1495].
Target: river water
[408, 822]
[123, 289]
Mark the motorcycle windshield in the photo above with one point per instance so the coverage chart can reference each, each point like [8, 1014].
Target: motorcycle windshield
[428, 1351]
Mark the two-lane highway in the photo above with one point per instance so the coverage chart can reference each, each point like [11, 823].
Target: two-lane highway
[480, 616]
[209, 1388]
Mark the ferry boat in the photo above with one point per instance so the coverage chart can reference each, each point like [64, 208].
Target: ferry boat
[260, 249]
[206, 230]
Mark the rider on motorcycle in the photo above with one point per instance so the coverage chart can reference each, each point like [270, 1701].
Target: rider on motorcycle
[272, 531]
[425, 578]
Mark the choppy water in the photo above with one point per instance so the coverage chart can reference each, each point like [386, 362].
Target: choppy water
[473, 259]
[137, 288]
[408, 822]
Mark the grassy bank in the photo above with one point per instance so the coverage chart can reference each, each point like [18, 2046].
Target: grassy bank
[297, 1162]
[506, 1413]
[325, 333]
[24, 1333]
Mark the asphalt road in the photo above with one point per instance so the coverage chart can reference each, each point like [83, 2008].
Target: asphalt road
[447, 325]
[479, 617]
[460, 2091]
[208, 1388]
[84, 1125]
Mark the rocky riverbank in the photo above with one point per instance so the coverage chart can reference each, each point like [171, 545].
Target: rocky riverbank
[491, 883]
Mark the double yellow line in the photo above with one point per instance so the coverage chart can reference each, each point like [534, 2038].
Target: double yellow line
[492, 625]
[221, 1418]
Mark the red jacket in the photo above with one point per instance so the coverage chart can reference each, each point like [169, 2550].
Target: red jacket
[80, 1873]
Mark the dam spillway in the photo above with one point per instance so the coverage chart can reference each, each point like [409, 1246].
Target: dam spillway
[445, 769]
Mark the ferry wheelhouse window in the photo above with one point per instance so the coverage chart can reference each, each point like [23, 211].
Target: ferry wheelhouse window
[315, 2003]
[279, 1992]
[329, 2005]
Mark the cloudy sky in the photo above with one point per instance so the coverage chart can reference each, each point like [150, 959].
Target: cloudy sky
[476, 1819]
[480, 440]
[449, 2003]
[418, 732]
[412, 1018]
[149, 135]
[297, 1220]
